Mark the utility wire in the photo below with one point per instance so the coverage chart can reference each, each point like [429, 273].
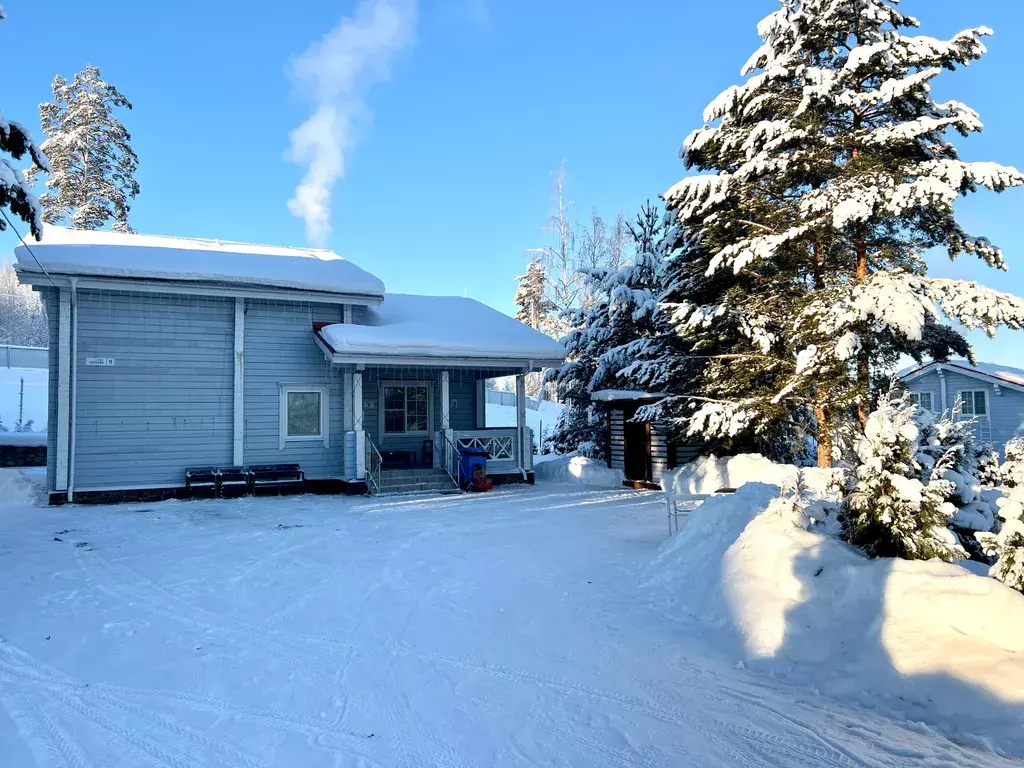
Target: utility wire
[22, 239]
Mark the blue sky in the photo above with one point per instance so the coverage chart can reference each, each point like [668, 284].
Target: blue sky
[450, 181]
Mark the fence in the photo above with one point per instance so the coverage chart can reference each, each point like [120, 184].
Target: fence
[498, 397]
[12, 356]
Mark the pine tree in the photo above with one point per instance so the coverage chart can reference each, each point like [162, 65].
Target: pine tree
[1007, 545]
[531, 296]
[15, 192]
[92, 180]
[1012, 470]
[826, 176]
[988, 467]
[895, 506]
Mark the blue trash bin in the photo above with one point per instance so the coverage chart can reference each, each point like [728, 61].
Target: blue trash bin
[470, 459]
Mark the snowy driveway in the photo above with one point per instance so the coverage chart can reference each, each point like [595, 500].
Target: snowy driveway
[495, 630]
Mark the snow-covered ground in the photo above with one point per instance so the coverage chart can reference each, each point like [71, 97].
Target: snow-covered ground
[500, 629]
[35, 396]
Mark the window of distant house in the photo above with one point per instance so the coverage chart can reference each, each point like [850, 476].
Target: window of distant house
[922, 399]
[303, 414]
[406, 408]
[973, 402]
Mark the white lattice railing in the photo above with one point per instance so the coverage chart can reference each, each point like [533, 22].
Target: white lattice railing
[500, 442]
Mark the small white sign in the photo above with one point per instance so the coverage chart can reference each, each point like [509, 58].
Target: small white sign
[99, 361]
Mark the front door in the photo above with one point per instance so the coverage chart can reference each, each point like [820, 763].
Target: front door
[638, 449]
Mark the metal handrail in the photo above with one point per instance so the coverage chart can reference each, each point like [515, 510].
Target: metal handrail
[449, 455]
[373, 475]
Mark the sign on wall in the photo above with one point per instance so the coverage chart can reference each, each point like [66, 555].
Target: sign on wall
[99, 361]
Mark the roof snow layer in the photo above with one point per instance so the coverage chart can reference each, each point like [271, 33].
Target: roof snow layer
[1005, 373]
[440, 326]
[155, 257]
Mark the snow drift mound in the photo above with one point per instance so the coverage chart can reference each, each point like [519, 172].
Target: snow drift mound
[709, 474]
[579, 470]
[16, 490]
[924, 641]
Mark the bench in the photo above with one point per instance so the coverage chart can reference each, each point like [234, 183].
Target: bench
[234, 481]
[276, 476]
[201, 478]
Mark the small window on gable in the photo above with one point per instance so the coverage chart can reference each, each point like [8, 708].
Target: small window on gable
[973, 402]
[303, 414]
[922, 400]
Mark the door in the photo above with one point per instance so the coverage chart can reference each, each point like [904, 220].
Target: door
[638, 449]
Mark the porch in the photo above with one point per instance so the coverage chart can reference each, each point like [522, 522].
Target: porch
[410, 424]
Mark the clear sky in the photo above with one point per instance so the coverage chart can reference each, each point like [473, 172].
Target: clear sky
[450, 181]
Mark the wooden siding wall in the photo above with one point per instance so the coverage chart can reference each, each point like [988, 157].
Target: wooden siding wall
[461, 388]
[166, 402]
[1006, 410]
[279, 349]
[659, 453]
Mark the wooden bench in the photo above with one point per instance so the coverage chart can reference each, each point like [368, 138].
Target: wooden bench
[234, 481]
[201, 478]
[276, 476]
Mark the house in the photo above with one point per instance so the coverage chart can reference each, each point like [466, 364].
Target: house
[642, 450]
[991, 395]
[170, 353]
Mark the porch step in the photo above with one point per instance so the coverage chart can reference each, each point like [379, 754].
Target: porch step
[420, 480]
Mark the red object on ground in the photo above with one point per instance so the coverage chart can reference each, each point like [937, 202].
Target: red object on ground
[482, 484]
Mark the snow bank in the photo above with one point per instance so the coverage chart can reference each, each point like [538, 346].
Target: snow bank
[35, 404]
[34, 439]
[16, 489]
[441, 326]
[709, 474]
[924, 641]
[154, 257]
[579, 470]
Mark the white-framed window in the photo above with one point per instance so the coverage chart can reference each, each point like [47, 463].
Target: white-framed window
[405, 408]
[922, 399]
[304, 414]
[973, 402]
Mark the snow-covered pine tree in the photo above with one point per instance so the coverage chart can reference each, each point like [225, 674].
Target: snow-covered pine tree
[988, 467]
[1007, 546]
[15, 192]
[949, 452]
[92, 176]
[1012, 470]
[534, 307]
[892, 508]
[826, 176]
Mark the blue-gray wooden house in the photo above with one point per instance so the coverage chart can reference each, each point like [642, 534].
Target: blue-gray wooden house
[990, 395]
[170, 353]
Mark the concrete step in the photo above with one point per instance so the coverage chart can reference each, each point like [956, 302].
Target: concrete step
[418, 472]
[421, 487]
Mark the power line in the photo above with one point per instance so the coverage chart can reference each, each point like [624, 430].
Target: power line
[22, 239]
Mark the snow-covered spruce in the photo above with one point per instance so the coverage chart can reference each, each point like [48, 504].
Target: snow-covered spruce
[825, 176]
[533, 306]
[91, 178]
[889, 510]
[1007, 546]
[15, 191]
[1012, 471]
[608, 335]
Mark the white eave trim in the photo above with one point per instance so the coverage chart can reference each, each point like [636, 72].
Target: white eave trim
[197, 288]
[525, 365]
[988, 378]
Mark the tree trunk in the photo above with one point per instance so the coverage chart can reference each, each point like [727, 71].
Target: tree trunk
[864, 356]
[824, 420]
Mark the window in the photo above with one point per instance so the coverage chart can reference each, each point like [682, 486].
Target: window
[303, 414]
[973, 402]
[406, 407]
[922, 399]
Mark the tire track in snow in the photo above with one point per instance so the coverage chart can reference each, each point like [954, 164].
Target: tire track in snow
[825, 758]
[42, 736]
[26, 669]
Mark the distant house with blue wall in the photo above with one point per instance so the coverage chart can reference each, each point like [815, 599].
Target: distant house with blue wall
[991, 395]
[171, 353]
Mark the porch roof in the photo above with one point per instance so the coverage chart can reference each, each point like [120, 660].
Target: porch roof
[439, 329]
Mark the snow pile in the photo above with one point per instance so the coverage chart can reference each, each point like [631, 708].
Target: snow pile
[16, 489]
[709, 474]
[441, 326]
[922, 640]
[154, 257]
[34, 439]
[580, 470]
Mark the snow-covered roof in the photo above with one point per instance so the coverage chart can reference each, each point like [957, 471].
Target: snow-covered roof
[407, 325]
[104, 254]
[616, 395]
[988, 371]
